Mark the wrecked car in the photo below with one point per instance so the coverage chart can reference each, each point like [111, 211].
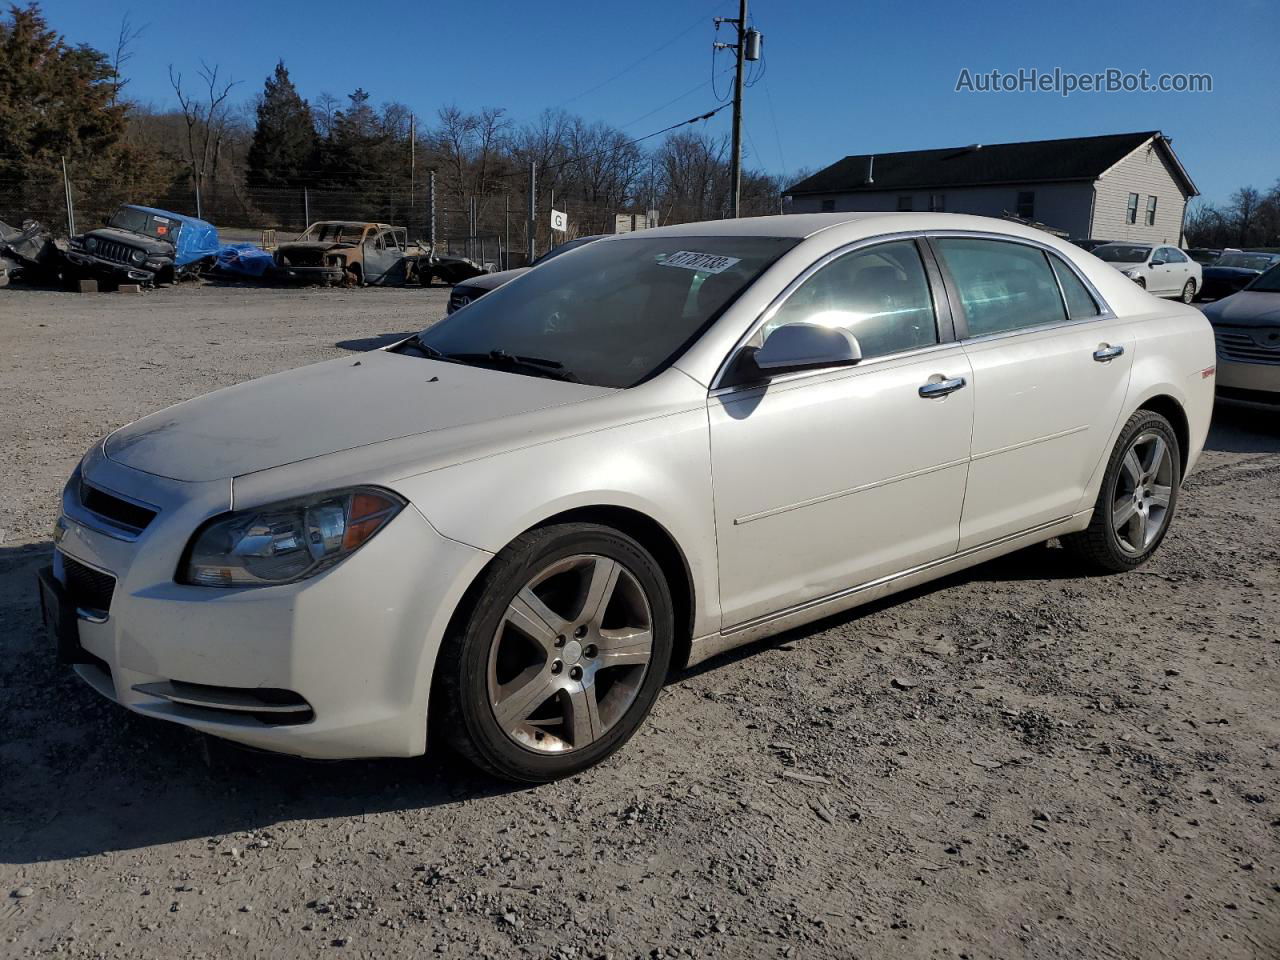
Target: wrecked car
[144, 245]
[28, 254]
[344, 251]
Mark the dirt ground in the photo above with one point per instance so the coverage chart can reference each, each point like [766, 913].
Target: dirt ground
[1075, 768]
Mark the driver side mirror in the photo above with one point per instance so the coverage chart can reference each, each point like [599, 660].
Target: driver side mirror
[798, 346]
[1157, 262]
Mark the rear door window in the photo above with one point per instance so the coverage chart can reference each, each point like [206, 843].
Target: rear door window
[1003, 286]
[1080, 302]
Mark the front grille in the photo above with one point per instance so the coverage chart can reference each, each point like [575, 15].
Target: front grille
[113, 251]
[89, 589]
[116, 510]
[1238, 345]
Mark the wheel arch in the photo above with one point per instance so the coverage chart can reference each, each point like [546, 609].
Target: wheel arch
[1169, 408]
[645, 530]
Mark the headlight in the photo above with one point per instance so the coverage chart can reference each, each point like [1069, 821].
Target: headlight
[287, 541]
[91, 244]
[137, 256]
[1132, 273]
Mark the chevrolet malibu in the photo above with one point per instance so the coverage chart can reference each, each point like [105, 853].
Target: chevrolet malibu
[506, 530]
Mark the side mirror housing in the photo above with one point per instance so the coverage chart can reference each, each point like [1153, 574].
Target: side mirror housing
[1157, 262]
[798, 346]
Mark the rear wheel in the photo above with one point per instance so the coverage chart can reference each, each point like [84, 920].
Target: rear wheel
[1138, 498]
[1189, 291]
[562, 655]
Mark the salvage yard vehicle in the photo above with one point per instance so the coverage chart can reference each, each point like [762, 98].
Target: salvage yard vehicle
[1162, 270]
[342, 251]
[144, 245]
[463, 293]
[508, 528]
[1234, 271]
[1246, 326]
[29, 253]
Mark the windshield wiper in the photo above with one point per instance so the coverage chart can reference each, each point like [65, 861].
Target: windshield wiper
[538, 366]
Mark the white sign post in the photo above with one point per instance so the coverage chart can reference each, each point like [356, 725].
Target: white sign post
[559, 220]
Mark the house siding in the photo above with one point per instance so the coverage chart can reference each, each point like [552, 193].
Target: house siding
[1146, 173]
[1065, 206]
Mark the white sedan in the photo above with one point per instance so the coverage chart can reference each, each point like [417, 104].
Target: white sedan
[1162, 270]
[508, 529]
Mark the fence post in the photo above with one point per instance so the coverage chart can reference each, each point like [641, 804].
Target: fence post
[306, 208]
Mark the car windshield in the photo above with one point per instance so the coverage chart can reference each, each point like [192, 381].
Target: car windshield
[1121, 253]
[334, 232]
[1269, 282]
[563, 248]
[1244, 260]
[150, 224]
[613, 315]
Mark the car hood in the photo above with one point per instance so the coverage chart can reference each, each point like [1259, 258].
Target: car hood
[1232, 273]
[138, 240]
[326, 408]
[491, 281]
[319, 245]
[1248, 308]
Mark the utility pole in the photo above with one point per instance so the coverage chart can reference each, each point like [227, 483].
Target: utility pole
[531, 241]
[413, 161]
[431, 211]
[66, 192]
[746, 48]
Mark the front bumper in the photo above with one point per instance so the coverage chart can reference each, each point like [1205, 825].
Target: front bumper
[355, 644]
[1248, 359]
[313, 274]
[90, 264]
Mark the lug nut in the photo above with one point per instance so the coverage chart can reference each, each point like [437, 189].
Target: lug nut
[581, 631]
[556, 666]
[560, 641]
[575, 673]
[591, 650]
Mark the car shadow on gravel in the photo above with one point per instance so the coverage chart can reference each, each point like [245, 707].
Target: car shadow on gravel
[364, 344]
[1237, 428]
[85, 776]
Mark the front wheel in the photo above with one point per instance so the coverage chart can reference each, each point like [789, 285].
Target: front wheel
[561, 656]
[1138, 498]
[1189, 291]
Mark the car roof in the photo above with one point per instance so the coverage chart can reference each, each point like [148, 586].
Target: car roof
[854, 224]
[180, 217]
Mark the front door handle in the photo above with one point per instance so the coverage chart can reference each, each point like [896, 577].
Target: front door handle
[940, 388]
[1106, 353]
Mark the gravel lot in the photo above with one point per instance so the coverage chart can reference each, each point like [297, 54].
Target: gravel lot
[1066, 767]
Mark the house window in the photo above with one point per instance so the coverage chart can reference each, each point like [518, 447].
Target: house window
[828, 206]
[1131, 212]
[904, 204]
[1151, 211]
[937, 202]
[1027, 204]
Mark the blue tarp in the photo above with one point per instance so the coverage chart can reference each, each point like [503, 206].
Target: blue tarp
[197, 238]
[244, 259]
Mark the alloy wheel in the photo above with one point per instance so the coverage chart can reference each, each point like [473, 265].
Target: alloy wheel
[570, 654]
[1189, 291]
[1143, 492]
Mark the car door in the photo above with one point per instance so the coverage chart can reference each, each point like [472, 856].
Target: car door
[826, 480]
[1050, 366]
[381, 254]
[1180, 269]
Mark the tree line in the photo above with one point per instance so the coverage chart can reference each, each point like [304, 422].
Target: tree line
[257, 161]
[1250, 219]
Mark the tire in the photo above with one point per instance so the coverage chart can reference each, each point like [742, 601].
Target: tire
[1141, 282]
[534, 685]
[1189, 291]
[1142, 477]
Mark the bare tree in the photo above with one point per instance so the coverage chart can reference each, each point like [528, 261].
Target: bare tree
[129, 34]
[208, 119]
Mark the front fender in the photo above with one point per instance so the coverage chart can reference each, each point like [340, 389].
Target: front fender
[658, 467]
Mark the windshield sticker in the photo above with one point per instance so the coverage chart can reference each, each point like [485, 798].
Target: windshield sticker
[162, 219]
[703, 262]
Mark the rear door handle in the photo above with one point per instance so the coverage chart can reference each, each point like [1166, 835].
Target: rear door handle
[1106, 353]
[941, 388]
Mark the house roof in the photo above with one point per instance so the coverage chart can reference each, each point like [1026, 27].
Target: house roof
[1033, 161]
